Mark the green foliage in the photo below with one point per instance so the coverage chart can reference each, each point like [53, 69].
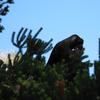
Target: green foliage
[28, 78]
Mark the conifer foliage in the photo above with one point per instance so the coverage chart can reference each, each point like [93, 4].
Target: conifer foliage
[28, 78]
[4, 9]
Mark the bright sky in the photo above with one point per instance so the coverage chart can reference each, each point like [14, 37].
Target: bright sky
[59, 18]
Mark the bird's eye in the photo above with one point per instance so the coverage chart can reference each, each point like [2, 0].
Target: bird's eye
[73, 49]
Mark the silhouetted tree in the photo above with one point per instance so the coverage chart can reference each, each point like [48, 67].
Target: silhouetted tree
[27, 77]
[4, 9]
